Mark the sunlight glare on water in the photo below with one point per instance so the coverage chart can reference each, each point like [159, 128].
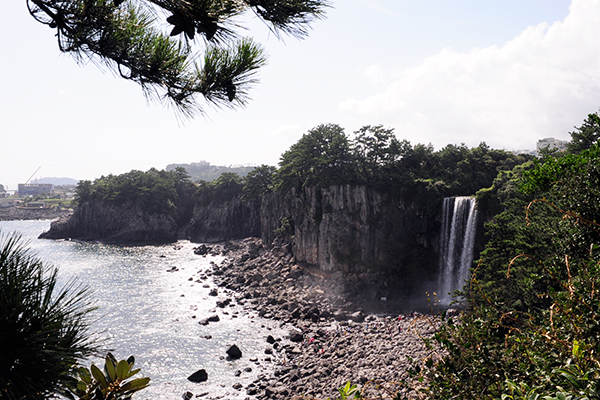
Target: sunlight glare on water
[148, 312]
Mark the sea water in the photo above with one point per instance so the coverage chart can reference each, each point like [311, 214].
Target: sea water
[148, 312]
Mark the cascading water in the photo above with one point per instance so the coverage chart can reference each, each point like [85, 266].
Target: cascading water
[459, 219]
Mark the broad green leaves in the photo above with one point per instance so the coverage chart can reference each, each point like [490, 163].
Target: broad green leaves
[114, 382]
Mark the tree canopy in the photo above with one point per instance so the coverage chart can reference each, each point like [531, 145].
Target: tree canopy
[128, 37]
[586, 135]
[374, 157]
[154, 191]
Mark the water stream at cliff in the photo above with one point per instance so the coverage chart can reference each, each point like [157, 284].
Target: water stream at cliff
[150, 313]
[457, 240]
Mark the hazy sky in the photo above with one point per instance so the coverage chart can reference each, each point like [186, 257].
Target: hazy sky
[507, 72]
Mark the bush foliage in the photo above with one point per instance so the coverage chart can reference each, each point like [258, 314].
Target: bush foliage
[43, 328]
[531, 330]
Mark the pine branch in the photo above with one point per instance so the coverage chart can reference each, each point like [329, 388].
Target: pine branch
[123, 36]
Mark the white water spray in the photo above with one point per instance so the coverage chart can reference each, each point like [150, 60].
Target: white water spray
[457, 241]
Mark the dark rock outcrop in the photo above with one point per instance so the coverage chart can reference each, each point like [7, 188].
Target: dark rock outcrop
[221, 221]
[351, 228]
[97, 221]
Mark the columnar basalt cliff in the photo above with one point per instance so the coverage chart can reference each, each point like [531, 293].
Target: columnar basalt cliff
[348, 227]
[228, 220]
[339, 228]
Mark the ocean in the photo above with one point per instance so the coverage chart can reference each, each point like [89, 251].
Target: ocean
[150, 299]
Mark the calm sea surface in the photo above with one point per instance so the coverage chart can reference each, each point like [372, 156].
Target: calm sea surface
[148, 312]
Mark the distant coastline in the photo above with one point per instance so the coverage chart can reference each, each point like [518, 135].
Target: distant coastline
[25, 213]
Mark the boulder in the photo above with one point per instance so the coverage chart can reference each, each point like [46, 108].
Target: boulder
[223, 303]
[234, 352]
[357, 316]
[202, 250]
[296, 337]
[199, 376]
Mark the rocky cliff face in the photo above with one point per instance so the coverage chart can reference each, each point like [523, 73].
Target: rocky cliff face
[340, 228]
[228, 220]
[96, 221]
[350, 228]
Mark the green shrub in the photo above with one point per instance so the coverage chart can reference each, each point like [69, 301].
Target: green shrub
[43, 328]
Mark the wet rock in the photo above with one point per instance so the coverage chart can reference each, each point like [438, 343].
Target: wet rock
[296, 336]
[223, 303]
[199, 376]
[214, 318]
[202, 250]
[234, 352]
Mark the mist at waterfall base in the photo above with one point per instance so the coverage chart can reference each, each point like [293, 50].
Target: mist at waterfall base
[457, 240]
[150, 313]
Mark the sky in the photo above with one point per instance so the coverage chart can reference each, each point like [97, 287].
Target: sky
[504, 72]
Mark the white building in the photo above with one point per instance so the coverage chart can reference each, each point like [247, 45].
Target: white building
[551, 144]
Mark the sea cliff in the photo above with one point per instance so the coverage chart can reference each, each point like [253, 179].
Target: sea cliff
[123, 224]
[339, 228]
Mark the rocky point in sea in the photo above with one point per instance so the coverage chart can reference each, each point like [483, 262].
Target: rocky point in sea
[331, 341]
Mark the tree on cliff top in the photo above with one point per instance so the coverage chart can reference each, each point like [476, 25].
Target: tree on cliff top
[125, 36]
[586, 135]
[320, 158]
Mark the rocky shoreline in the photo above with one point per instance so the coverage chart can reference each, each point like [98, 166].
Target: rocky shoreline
[332, 338]
[28, 213]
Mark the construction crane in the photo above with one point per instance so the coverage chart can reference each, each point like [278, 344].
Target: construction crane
[32, 175]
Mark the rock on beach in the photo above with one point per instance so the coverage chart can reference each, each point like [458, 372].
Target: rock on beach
[331, 340]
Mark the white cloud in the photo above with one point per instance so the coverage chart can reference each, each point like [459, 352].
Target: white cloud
[374, 74]
[539, 84]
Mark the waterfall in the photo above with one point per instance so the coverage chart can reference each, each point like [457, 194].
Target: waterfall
[457, 240]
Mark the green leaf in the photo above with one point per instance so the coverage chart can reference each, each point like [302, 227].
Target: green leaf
[84, 375]
[576, 349]
[99, 376]
[136, 384]
[123, 370]
[109, 368]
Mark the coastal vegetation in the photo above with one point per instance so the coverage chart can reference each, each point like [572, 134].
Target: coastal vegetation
[43, 328]
[153, 191]
[530, 329]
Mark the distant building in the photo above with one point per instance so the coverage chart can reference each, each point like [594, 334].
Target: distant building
[551, 144]
[8, 202]
[33, 189]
